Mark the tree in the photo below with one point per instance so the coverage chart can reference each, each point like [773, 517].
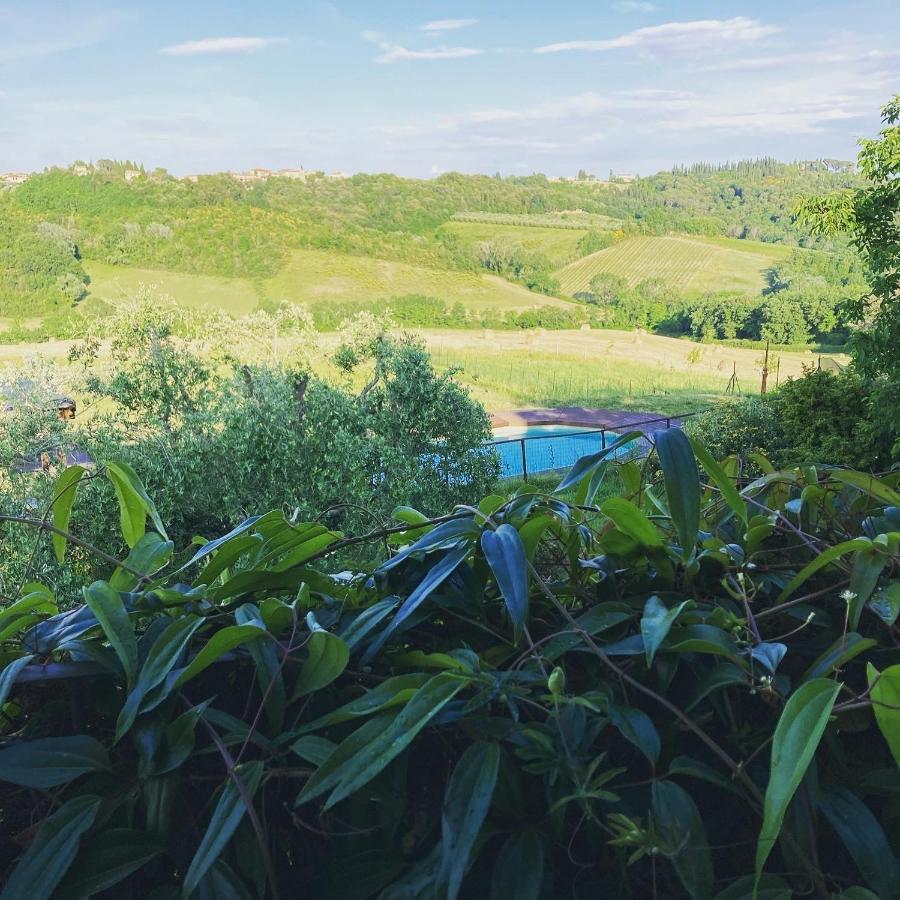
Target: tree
[871, 216]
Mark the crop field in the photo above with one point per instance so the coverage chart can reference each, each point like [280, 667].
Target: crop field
[559, 245]
[615, 369]
[573, 219]
[116, 283]
[693, 265]
[316, 276]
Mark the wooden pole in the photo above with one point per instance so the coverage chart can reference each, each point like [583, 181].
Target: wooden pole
[765, 371]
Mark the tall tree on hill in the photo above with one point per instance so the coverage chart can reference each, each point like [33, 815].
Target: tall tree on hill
[871, 216]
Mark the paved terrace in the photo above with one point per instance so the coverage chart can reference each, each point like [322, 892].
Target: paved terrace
[582, 416]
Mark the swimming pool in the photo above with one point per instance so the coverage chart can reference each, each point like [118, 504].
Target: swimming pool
[545, 448]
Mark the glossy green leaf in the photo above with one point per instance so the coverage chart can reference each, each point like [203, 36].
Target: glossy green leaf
[681, 827]
[223, 641]
[179, 738]
[107, 606]
[52, 851]
[134, 504]
[147, 557]
[64, 492]
[886, 603]
[826, 558]
[885, 694]
[433, 579]
[160, 661]
[868, 484]
[505, 553]
[9, 673]
[845, 648]
[638, 728]
[632, 521]
[656, 622]
[587, 465]
[796, 739]
[864, 838]
[466, 803]
[48, 762]
[519, 870]
[222, 824]
[682, 480]
[726, 485]
[353, 770]
[328, 657]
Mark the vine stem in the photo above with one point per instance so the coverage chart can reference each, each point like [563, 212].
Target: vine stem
[43, 525]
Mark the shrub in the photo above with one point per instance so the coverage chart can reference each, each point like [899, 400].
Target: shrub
[525, 699]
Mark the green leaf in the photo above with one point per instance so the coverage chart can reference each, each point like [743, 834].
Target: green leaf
[797, 736]
[180, 736]
[864, 838]
[107, 606]
[63, 498]
[505, 553]
[222, 824]
[638, 728]
[867, 567]
[393, 692]
[631, 521]
[433, 579]
[884, 689]
[134, 504]
[466, 803]
[868, 484]
[656, 622]
[224, 640]
[886, 603]
[147, 557]
[587, 465]
[52, 851]
[682, 480]
[313, 748]
[824, 559]
[845, 648]
[328, 657]
[726, 486]
[160, 660]
[9, 674]
[351, 770]
[49, 762]
[679, 823]
[106, 859]
[519, 870]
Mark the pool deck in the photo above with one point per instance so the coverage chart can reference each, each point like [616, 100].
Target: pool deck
[582, 416]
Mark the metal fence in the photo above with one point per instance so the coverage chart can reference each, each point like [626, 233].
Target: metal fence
[538, 453]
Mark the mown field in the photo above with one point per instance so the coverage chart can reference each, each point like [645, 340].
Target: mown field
[690, 264]
[318, 276]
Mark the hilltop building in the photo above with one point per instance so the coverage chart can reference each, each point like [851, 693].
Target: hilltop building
[12, 178]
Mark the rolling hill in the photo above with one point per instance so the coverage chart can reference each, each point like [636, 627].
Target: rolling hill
[693, 265]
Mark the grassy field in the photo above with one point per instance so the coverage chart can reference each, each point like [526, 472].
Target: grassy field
[604, 369]
[570, 219]
[116, 283]
[693, 265]
[315, 275]
[560, 245]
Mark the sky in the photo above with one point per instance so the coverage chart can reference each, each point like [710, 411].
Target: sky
[421, 88]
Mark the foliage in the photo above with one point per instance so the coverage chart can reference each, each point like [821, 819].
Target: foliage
[672, 694]
[740, 428]
[240, 424]
[870, 214]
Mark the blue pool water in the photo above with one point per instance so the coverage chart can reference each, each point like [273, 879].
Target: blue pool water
[547, 447]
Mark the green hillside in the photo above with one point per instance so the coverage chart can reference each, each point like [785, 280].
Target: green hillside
[689, 264]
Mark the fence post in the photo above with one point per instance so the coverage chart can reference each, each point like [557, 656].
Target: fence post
[602, 438]
[524, 462]
[668, 422]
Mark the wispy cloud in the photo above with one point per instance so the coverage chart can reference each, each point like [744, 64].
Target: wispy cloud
[825, 57]
[393, 54]
[448, 24]
[675, 37]
[633, 6]
[214, 46]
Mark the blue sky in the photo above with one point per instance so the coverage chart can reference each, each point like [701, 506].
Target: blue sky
[420, 88]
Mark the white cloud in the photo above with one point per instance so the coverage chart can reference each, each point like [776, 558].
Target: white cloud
[212, 46]
[825, 57]
[392, 53]
[675, 37]
[448, 24]
[633, 6]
